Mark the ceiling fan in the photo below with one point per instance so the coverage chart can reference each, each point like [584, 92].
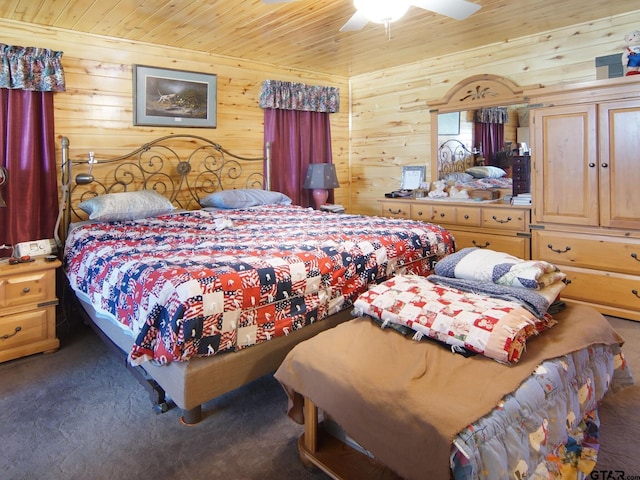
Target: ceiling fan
[387, 11]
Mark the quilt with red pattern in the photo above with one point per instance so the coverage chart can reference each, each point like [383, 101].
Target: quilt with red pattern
[202, 282]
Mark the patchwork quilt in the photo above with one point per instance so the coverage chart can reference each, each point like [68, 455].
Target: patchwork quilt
[201, 282]
[479, 323]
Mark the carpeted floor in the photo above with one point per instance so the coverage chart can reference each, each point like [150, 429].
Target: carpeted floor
[78, 414]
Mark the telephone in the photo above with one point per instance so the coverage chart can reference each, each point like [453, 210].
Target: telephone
[35, 248]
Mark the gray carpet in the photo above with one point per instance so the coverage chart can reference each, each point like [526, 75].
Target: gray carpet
[78, 414]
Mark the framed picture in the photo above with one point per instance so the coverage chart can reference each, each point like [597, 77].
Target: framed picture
[164, 97]
[412, 177]
[449, 123]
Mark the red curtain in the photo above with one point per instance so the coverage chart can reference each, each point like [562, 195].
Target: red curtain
[27, 151]
[489, 137]
[297, 138]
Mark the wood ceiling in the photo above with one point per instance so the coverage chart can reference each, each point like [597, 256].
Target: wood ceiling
[305, 34]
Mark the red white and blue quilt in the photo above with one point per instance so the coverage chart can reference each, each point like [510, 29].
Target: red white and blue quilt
[201, 282]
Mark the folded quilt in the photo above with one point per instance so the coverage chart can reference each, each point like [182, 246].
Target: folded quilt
[536, 301]
[493, 327]
[485, 265]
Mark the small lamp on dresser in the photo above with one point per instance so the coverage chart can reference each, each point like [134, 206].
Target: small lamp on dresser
[321, 177]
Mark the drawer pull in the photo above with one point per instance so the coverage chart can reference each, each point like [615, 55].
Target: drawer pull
[486, 244]
[4, 337]
[557, 250]
[466, 217]
[26, 290]
[501, 221]
[395, 212]
[442, 215]
[635, 257]
[420, 213]
[635, 292]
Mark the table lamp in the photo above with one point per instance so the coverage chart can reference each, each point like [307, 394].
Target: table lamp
[320, 178]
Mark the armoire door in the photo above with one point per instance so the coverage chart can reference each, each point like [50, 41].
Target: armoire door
[565, 162]
[619, 164]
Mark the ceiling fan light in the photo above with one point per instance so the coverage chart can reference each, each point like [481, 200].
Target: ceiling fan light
[382, 11]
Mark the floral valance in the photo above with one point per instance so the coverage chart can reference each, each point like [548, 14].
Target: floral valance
[492, 115]
[299, 96]
[31, 68]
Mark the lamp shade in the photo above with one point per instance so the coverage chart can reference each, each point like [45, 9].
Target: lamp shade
[321, 175]
[320, 178]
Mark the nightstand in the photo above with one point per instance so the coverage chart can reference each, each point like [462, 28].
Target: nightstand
[28, 308]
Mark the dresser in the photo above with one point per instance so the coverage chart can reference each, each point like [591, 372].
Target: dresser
[521, 174]
[586, 195]
[28, 308]
[493, 225]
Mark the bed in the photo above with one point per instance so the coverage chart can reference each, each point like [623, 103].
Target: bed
[208, 286]
[395, 404]
[456, 167]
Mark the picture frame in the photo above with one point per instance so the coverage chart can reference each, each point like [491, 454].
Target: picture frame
[412, 177]
[449, 123]
[175, 98]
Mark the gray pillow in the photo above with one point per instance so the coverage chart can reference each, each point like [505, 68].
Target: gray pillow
[486, 172]
[244, 198]
[114, 207]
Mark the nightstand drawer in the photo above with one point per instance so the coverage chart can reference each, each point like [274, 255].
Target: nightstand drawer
[27, 328]
[32, 287]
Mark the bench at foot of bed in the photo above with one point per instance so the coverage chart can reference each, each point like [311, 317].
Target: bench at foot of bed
[321, 450]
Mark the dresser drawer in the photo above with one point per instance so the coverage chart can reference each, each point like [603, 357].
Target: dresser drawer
[603, 288]
[396, 209]
[420, 212]
[468, 216]
[443, 214]
[504, 218]
[31, 287]
[513, 245]
[588, 251]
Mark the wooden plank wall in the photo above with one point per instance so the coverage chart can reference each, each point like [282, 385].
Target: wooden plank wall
[390, 113]
[96, 111]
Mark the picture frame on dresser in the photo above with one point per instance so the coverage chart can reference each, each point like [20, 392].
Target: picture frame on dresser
[166, 97]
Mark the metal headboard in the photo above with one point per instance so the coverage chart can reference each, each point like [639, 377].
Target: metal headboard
[453, 156]
[184, 168]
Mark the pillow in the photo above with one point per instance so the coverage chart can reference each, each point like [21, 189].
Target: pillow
[458, 177]
[495, 328]
[486, 172]
[244, 198]
[114, 207]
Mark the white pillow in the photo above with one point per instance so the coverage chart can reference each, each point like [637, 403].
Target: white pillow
[244, 198]
[486, 172]
[114, 207]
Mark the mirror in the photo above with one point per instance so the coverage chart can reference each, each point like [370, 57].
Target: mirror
[455, 145]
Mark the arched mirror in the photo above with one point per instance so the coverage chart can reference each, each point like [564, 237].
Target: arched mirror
[482, 120]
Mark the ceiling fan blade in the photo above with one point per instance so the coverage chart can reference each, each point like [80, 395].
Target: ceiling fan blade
[458, 9]
[357, 21]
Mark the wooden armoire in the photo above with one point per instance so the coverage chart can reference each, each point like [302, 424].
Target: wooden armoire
[586, 189]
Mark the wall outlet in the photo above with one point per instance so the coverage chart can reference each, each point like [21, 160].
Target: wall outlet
[35, 248]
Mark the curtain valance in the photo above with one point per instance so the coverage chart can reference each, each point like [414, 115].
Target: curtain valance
[299, 96]
[31, 68]
[492, 115]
